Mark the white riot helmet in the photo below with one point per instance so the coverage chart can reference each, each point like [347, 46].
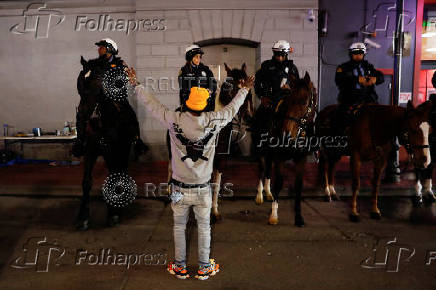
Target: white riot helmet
[357, 48]
[191, 51]
[110, 45]
[281, 46]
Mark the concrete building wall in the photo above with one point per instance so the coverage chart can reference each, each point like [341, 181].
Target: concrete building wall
[38, 74]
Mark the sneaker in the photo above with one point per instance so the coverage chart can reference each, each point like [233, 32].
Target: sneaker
[210, 270]
[180, 271]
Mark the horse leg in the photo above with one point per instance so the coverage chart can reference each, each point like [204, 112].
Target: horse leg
[117, 160]
[82, 222]
[379, 166]
[418, 201]
[216, 216]
[427, 183]
[333, 160]
[298, 185]
[268, 168]
[355, 170]
[323, 174]
[277, 186]
[259, 195]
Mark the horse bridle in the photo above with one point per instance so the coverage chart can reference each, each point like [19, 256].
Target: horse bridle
[303, 121]
[404, 140]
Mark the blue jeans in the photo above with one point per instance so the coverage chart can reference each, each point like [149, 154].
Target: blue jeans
[200, 199]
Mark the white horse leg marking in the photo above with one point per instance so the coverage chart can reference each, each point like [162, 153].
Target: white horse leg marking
[259, 196]
[418, 188]
[427, 186]
[273, 218]
[425, 127]
[332, 189]
[216, 191]
[327, 190]
[268, 193]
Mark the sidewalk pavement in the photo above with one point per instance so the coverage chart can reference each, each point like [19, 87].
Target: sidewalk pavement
[46, 180]
[326, 254]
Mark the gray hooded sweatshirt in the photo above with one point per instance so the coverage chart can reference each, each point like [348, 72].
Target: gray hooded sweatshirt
[193, 138]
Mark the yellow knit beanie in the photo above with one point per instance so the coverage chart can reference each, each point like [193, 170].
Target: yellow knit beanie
[197, 100]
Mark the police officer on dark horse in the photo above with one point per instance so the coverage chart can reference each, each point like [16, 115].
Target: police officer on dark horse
[270, 79]
[104, 126]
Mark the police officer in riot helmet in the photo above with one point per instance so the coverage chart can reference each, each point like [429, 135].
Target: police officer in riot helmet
[195, 74]
[356, 80]
[107, 51]
[273, 76]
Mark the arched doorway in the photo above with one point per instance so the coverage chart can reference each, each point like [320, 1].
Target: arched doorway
[233, 52]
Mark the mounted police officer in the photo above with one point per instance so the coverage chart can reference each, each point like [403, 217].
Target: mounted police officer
[195, 74]
[356, 79]
[107, 51]
[273, 76]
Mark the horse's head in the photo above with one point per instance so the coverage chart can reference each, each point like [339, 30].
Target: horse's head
[235, 78]
[416, 133]
[90, 78]
[299, 106]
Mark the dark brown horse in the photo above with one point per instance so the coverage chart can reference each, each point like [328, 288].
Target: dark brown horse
[287, 139]
[228, 91]
[111, 129]
[369, 138]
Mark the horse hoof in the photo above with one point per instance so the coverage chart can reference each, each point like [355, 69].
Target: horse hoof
[270, 198]
[431, 198]
[258, 200]
[216, 218]
[354, 218]
[375, 215]
[336, 197]
[299, 221]
[82, 225]
[273, 221]
[327, 198]
[113, 220]
[417, 201]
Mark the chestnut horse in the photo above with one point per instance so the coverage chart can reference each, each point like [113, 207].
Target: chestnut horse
[291, 128]
[369, 138]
